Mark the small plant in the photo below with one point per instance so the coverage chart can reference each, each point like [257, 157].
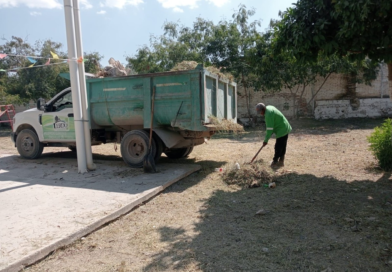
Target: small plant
[381, 144]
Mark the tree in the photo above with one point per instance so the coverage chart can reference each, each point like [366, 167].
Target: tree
[284, 71]
[230, 47]
[227, 45]
[92, 64]
[165, 51]
[353, 28]
[32, 83]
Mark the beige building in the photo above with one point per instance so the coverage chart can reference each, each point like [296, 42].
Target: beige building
[336, 99]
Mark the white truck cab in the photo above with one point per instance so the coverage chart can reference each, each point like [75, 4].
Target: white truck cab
[50, 124]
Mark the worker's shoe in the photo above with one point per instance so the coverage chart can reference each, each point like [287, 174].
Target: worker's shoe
[280, 163]
[274, 164]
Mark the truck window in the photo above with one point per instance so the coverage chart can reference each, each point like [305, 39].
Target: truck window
[63, 102]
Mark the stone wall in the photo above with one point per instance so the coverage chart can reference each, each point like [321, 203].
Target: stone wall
[334, 100]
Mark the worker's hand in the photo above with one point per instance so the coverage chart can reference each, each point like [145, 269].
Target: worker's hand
[264, 144]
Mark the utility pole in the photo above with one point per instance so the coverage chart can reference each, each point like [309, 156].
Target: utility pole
[79, 119]
[83, 89]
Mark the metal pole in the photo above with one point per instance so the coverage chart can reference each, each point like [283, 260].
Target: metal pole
[83, 93]
[74, 75]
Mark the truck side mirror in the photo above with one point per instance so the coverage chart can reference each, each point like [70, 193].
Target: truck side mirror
[40, 103]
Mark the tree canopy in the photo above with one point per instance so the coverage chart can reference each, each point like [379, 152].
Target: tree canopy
[22, 84]
[358, 28]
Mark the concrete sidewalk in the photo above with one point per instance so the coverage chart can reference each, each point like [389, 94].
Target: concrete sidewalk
[46, 204]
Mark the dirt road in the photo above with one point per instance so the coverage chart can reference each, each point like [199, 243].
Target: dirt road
[331, 211]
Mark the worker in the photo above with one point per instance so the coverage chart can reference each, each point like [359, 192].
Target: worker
[275, 123]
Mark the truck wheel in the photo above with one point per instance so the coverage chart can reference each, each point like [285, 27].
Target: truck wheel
[190, 149]
[159, 147]
[134, 147]
[179, 153]
[28, 144]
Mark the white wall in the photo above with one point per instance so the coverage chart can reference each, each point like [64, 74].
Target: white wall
[339, 109]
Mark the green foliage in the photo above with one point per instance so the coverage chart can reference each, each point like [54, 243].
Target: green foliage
[176, 45]
[92, 64]
[231, 46]
[354, 28]
[23, 85]
[381, 144]
[226, 45]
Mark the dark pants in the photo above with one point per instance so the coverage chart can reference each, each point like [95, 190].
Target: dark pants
[280, 147]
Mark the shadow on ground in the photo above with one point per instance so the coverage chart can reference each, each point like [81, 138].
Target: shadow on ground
[306, 126]
[310, 224]
[59, 169]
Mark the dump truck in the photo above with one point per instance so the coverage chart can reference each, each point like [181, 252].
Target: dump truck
[120, 111]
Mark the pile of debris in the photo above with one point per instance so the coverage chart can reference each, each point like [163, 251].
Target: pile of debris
[114, 69]
[190, 65]
[249, 176]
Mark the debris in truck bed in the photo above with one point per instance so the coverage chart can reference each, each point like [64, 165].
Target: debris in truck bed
[190, 65]
[114, 69]
[225, 125]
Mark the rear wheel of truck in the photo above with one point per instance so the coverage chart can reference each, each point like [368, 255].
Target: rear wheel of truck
[28, 144]
[179, 153]
[134, 147]
[159, 147]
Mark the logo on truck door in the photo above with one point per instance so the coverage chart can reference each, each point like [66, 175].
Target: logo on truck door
[60, 124]
[57, 127]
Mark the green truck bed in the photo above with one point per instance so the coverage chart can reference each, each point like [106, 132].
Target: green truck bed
[184, 100]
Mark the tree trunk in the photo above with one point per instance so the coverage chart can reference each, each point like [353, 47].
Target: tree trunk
[390, 79]
[295, 116]
[247, 95]
[247, 99]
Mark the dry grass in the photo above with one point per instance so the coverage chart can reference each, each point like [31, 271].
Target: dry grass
[330, 211]
[185, 65]
[248, 176]
[225, 125]
[190, 65]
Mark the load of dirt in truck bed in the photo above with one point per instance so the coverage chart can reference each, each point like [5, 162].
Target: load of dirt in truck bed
[248, 176]
[225, 125]
[190, 65]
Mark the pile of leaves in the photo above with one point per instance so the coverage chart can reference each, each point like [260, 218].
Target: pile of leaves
[184, 65]
[190, 65]
[225, 125]
[248, 176]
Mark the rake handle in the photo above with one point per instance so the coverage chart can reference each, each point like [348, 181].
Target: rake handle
[256, 154]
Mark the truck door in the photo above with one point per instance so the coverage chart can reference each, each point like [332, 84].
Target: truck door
[58, 120]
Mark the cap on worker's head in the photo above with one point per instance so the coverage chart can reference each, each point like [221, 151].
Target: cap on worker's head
[260, 107]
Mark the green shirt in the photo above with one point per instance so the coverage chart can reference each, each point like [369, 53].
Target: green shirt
[275, 123]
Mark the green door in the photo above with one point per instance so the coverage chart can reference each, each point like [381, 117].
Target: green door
[58, 121]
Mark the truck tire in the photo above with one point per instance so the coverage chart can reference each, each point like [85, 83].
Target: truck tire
[159, 147]
[179, 153]
[190, 149]
[134, 147]
[28, 144]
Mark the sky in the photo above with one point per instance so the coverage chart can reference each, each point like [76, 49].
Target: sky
[117, 28]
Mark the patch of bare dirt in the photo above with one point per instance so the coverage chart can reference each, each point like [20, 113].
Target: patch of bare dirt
[331, 210]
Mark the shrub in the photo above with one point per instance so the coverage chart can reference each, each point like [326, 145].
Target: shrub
[381, 144]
